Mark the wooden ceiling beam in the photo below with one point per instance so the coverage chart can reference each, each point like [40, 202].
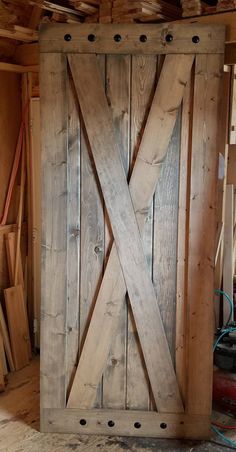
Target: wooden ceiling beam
[19, 34]
[8, 67]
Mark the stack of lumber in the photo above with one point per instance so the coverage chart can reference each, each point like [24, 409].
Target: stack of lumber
[192, 8]
[226, 5]
[15, 347]
[137, 11]
[87, 9]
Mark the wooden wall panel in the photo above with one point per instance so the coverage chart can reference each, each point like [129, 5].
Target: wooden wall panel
[10, 118]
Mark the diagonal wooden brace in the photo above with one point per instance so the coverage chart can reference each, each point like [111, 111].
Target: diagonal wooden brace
[168, 96]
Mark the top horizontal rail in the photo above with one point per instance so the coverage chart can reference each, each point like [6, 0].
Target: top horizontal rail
[163, 38]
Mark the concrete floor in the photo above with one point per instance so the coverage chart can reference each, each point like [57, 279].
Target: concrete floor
[19, 426]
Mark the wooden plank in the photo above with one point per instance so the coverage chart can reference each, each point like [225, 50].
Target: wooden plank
[113, 286]
[54, 38]
[74, 234]
[6, 340]
[2, 380]
[92, 241]
[10, 240]
[110, 171]
[228, 19]
[54, 230]
[17, 68]
[27, 54]
[183, 233]
[20, 34]
[118, 73]
[202, 230]
[35, 183]
[165, 235]
[231, 173]
[128, 423]
[2, 355]
[18, 325]
[228, 262]
[230, 52]
[144, 73]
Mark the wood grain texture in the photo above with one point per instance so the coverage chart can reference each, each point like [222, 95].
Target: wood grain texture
[165, 236]
[118, 74]
[18, 325]
[10, 240]
[35, 158]
[152, 149]
[202, 227]
[111, 174]
[211, 38]
[151, 423]
[74, 232]
[54, 230]
[143, 82]
[183, 233]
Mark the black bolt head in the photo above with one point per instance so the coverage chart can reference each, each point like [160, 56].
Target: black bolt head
[143, 38]
[195, 39]
[91, 37]
[117, 38]
[169, 38]
[67, 37]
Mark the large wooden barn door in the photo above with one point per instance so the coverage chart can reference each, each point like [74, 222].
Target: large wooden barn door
[129, 133]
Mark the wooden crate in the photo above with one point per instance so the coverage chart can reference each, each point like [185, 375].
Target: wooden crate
[127, 328]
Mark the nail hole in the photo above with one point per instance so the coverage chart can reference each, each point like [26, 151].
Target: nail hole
[137, 425]
[91, 38]
[67, 37]
[111, 423]
[195, 39]
[117, 38]
[143, 38]
[163, 425]
[169, 38]
[83, 422]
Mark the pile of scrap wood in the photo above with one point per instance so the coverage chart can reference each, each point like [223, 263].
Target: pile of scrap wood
[138, 11]
[226, 5]
[15, 346]
[196, 8]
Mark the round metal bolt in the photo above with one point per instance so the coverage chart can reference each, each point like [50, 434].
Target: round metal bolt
[143, 38]
[195, 39]
[163, 425]
[67, 37]
[137, 425]
[83, 422]
[169, 38]
[91, 38]
[111, 423]
[117, 38]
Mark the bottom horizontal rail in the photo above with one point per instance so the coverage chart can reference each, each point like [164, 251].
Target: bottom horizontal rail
[125, 423]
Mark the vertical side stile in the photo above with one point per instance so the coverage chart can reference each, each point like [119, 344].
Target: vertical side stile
[54, 230]
[73, 212]
[92, 235]
[142, 88]
[118, 95]
[202, 231]
[165, 236]
[183, 232]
